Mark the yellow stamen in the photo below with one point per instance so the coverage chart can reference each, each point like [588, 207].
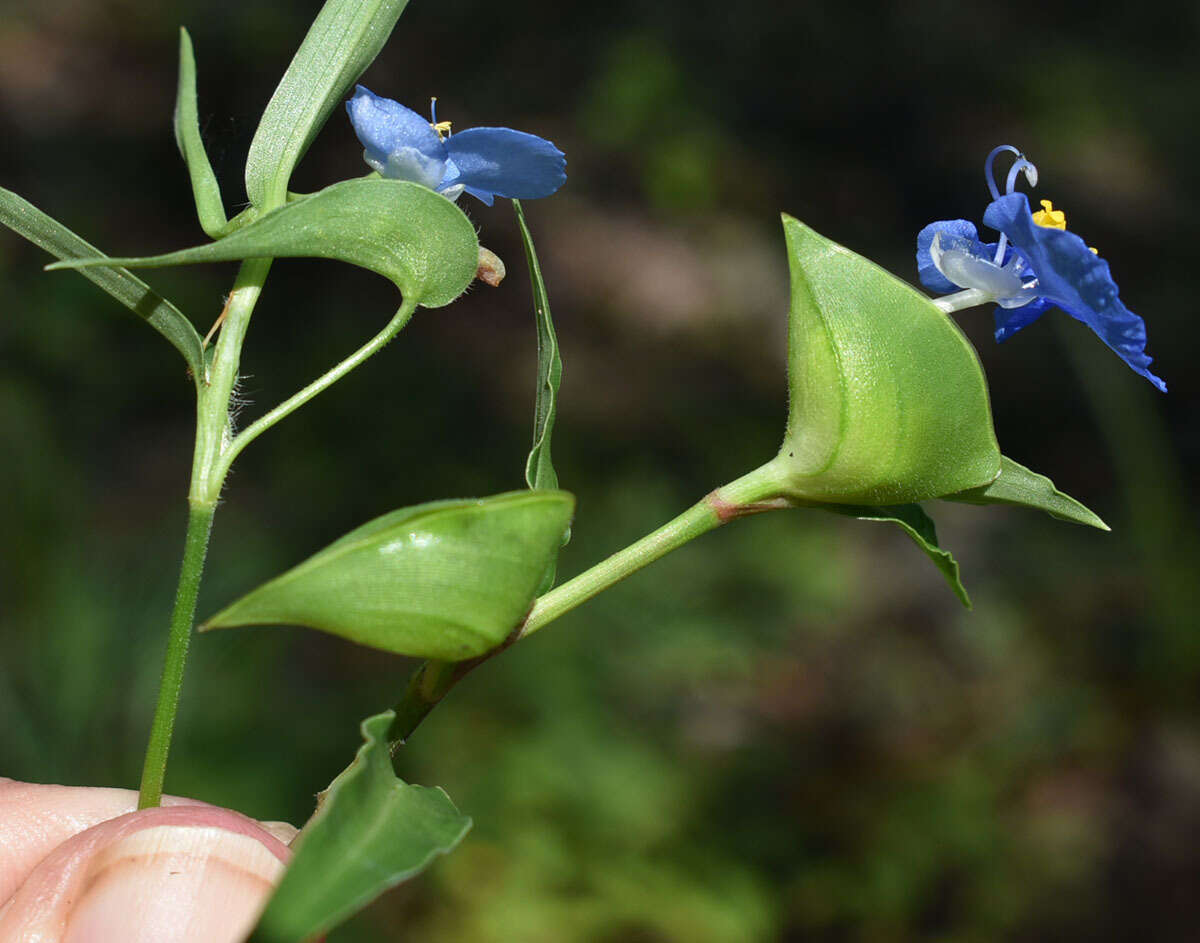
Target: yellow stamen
[442, 128]
[1049, 217]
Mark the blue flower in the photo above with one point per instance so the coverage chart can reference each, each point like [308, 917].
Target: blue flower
[1036, 265]
[485, 162]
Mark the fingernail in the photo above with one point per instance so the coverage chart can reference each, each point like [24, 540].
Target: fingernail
[174, 884]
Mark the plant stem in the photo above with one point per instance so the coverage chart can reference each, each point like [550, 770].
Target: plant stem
[194, 549]
[212, 412]
[758, 491]
[751, 494]
[212, 439]
[323, 382]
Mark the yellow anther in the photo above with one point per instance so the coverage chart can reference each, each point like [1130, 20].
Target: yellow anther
[1049, 217]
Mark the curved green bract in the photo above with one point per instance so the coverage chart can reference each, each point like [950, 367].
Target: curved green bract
[371, 831]
[888, 403]
[447, 580]
[403, 231]
[344, 39]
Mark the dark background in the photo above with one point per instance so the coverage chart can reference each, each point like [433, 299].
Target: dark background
[787, 730]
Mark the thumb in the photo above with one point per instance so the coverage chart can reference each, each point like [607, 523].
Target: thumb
[182, 874]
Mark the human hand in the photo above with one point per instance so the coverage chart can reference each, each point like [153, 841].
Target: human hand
[79, 865]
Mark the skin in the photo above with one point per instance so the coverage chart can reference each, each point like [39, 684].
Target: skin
[80, 865]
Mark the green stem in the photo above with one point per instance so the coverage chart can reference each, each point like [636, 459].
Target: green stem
[758, 491]
[292, 403]
[212, 437]
[212, 413]
[194, 549]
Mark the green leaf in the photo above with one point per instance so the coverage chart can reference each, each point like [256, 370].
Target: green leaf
[27, 220]
[539, 467]
[888, 403]
[371, 831]
[344, 39]
[205, 189]
[913, 520]
[403, 231]
[1020, 486]
[447, 580]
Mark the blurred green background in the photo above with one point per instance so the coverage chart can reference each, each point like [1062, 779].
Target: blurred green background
[788, 730]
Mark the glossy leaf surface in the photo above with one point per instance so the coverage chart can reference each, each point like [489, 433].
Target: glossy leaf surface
[27, 220]
[919, 526]
[887, 401]
[344, 39]
[447, 580]
[1019, 486]
[205, 189]
[371, 831]
[403, 231]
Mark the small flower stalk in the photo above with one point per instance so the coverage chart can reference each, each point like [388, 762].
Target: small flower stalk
[1036, 264]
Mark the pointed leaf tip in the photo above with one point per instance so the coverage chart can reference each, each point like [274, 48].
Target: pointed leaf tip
[448, 580]
[919, 526]
[206, 192]
[1017, 485]
[371, 831]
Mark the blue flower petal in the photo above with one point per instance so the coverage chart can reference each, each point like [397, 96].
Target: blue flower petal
[397, 142]
[1011, 320]
[930, 277]
[1075, 279]
[491, 162]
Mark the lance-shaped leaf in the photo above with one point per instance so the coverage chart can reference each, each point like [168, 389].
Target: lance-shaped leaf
[913, 520]
[403, 231]
[205, 189]
[539, 467]
[1018, 485]
[371, 831]
[448, 580]
[344, 39]
[27, 220]
[887, 401]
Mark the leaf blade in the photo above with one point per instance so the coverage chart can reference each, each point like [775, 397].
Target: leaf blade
[414, 237]
[206, 192]
[28, 221]
[371, 831]
[343, 40]
[1019, 486]
[539, 466]
[919, 526]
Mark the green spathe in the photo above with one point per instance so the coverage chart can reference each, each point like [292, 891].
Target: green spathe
[887, 400]
[371, 831]
[403, 231]
[448, 580]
